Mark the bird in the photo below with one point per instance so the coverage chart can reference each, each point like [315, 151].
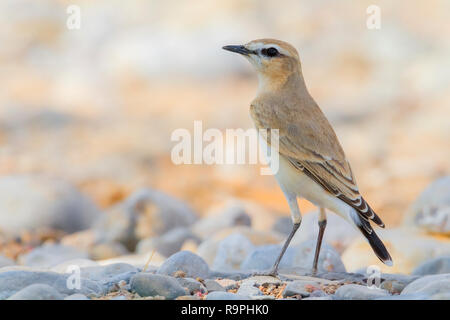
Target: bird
[312, 163]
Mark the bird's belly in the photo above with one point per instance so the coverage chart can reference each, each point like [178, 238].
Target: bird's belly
[295, 181]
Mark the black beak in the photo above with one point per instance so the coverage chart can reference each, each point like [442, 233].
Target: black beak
[238, 49]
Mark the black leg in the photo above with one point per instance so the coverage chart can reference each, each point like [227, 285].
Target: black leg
[322, 225]
[274, 270]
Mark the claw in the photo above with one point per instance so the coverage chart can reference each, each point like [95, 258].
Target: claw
[270, 273]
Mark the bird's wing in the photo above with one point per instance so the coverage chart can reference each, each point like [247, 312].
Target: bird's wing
[308, 141]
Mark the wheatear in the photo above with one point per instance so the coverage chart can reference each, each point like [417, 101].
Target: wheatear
[312, 162]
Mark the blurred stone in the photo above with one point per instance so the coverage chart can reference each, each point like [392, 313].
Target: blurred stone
[329, 259]
[76, 296]
[359, 292]
[283, 225]
[338, 233]
[37, 291]
[49, 255]
[146, 285]
[146, 213]
[107, 273]
[429, 285]
[231, 252]
[5, 262]
[191, 285]
[66, 265]
[218, 295]
[232, 215]
[167, 244]
[82, 240]
[103, 251]
[30, 202]
[431, 210]
[15, 280]
[212, 285]
[191, 264]
[208, 248]
[262, 258]
[249, 289]
[437, 265]
[299, 287]
[154, 259]
[409, 248]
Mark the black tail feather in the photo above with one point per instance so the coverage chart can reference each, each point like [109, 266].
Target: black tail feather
[375, 242]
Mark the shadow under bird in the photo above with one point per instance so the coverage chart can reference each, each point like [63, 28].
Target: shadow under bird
[312, 163]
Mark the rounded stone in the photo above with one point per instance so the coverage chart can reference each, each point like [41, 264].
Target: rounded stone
[191, 264]
[146, 284]
[37, 291]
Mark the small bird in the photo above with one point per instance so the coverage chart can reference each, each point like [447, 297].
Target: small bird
[312, 164]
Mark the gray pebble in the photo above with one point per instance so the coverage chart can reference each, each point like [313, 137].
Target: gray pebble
[15, 280]
[50, 255]
[76, 296]
[358, 292]
[435, 266]
[37, 291]
[218, 295]
[429, 285]
[212, 286]
[299, 287]
[231, 252]
[146, 284]
[249, 288]
[191, 285]
[263, 258]
[5, 262]
[186, 261]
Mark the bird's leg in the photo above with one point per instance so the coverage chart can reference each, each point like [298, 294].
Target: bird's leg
[322, 225]
[274, 270]
[296, 219]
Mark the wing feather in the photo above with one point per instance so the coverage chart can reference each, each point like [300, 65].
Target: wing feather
[313, 148]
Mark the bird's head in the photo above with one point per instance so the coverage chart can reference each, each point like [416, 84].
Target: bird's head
[274, 60]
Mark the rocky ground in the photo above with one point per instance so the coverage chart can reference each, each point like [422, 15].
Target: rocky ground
[153, 246]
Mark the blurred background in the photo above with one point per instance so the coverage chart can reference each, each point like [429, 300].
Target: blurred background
[96, 106]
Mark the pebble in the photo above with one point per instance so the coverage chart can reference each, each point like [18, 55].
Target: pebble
[263, 258]
[191, 264]
[339, 233]
[227, 283]
[167, 244]
[329, 258]
[146, 213]
[429, 285]
[231, 252]
[50, 255]
[232, 215]
[302, 288]
[218, 295]
[76, 296]
[30, 202]
[146, 284]
[15, 280]
[431, 210]
[249, 288]
[37, 291]
[191, 285]
[5, 262]
[437, 265]
[212, 285]
[359, 292]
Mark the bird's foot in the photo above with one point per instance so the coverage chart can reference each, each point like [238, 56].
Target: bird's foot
[267, 273]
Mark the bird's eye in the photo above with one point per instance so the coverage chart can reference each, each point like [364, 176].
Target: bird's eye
[270, 52]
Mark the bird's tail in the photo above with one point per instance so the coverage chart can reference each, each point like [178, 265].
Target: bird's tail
[374, 241]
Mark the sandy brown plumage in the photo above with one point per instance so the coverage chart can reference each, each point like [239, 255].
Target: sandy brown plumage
[312, 162]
